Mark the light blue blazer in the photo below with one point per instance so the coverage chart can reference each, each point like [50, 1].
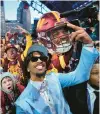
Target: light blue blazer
[31, 102]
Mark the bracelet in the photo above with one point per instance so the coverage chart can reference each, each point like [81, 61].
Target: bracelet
[89, 45]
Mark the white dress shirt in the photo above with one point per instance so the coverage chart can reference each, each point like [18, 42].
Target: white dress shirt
[91, 98]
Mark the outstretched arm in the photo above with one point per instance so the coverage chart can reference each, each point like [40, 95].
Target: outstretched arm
[28, 41]
[82, 72]
[88, 56]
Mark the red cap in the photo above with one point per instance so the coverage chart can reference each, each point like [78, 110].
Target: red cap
[10, 46]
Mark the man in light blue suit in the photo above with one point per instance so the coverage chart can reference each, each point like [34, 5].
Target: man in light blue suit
[43, 94]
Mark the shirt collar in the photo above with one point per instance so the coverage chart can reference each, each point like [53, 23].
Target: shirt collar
[38, 84]
[91, 89]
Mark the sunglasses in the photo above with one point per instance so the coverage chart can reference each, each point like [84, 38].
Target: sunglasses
[42, 58]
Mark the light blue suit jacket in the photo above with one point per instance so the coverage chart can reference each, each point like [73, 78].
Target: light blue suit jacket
[31, 102]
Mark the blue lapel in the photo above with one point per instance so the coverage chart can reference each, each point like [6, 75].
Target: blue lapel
[35, 100]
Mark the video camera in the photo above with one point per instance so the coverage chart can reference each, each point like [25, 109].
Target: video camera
[85, 13]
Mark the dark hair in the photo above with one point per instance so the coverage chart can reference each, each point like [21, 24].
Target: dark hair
[25, 65]
[9, 102]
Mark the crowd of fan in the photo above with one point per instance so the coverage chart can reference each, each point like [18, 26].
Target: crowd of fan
[11, 67]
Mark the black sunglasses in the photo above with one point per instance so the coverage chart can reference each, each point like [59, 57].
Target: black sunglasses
[42, 58]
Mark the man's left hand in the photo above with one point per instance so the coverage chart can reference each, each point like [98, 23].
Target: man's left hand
[80, 34]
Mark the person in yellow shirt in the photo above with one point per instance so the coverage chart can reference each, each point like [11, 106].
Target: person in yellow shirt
[14, 61]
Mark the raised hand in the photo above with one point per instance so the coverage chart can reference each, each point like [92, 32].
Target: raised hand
[80, 34]
[22, 30]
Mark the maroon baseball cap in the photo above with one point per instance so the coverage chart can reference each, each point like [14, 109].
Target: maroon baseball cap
[10, 46]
